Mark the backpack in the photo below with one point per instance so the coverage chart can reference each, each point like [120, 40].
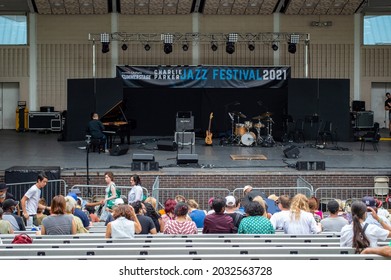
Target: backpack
[22, 239]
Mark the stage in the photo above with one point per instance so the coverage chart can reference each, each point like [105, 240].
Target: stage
[43, 149]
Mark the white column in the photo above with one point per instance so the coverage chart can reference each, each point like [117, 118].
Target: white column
[33, 98]
[114, 44]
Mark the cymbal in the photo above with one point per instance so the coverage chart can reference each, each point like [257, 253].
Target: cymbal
[258, 118]
[267, 114]
[239, 114]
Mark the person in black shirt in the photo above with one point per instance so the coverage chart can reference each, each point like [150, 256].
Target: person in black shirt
[95, 129]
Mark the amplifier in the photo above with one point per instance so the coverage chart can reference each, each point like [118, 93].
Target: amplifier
[364, 119]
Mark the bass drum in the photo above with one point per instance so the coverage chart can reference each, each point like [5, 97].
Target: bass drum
[248, 139]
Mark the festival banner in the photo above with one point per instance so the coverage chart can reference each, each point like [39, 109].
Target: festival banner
[204, 76]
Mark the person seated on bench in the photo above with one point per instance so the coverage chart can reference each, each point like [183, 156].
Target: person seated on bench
[334, 222]
[301, 220]
[125, 223]
[95, 128]
[278, 219]
[360, 234]
[58, 223]
[255, 222]
[147, 224]
[182, 224]
[218, 222]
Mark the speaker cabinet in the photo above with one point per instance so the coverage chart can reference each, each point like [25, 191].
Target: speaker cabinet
[311, 165]
[364, 119]
[292, 152]
[167, 145]
[187, 158]
[143, 157]
[358, 105]
[119, 150]
[183, 124]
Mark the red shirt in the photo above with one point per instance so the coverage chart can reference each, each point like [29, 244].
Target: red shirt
[218, 223]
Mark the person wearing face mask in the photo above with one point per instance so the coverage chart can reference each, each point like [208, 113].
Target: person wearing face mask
[9, 207]
[4, 194]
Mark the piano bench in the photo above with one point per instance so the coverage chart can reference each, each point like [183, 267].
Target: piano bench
[98, 144]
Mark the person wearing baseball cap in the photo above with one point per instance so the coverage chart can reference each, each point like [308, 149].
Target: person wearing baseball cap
[370, 202]
[4, 194]
[9, 207]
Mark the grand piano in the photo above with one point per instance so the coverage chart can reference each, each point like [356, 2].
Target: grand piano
[116, 124]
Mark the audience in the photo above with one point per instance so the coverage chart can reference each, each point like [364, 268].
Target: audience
[125, 223]
[334, 222]
[255, 222]
[155, 216]
[278, 219]
[5, 226]
[196, 215]
[147, 224]
[218, 222]
[181, 225]
[359, 234]
[371, 202]
[169, 206]
[301, 221]
[70, 210]
[230, 210]
[58, 222]
[9, 208]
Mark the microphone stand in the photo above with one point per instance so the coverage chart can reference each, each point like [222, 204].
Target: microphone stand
[88, 145]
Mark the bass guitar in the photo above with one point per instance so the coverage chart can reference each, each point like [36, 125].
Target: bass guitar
[208, 138]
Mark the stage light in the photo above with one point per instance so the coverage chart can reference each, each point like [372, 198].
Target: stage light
[230, 47]
[251, 46]
[105, 40]
[291, 48]
[124, 47]
[147, 47]
[275, 47]
[214, 46]
[185, 47]
[168, 40]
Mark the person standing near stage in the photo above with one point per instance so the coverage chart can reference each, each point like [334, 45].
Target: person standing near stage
[136, 193]
[30, 200]
[387, 107]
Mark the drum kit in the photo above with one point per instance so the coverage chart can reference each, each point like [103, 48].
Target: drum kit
[248, 133]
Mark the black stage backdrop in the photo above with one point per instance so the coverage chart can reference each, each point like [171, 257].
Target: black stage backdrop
[329, 99]
[154, 108]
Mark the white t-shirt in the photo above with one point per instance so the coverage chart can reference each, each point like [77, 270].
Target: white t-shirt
[305, 225]
[135, 194]
[278, 219]
[374, 233]
[33, 195]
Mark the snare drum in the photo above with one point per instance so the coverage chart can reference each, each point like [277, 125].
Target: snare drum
[259, 125]
[240, 129]
[248, 139]
[248, 124]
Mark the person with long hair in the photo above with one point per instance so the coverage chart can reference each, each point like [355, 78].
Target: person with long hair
[136, 192]
[58, 223]
[360, 235]
[110, 195]
[300, 221]
[169, 207]
[155, 216]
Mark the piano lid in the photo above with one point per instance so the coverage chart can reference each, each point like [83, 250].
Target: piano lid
[115, 113]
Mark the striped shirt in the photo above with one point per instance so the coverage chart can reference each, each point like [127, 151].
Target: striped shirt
[175, 227]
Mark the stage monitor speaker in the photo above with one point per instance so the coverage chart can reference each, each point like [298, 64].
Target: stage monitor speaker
[292, 152]
[311, 165]
[144, 166]
[119, 150]
[143, 157]
[187, 158]
[358, 105]
[167, 145]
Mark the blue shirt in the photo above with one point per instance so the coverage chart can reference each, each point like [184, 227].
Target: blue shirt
[198, 216]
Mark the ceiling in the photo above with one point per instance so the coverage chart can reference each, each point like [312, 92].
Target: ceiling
[206, 7]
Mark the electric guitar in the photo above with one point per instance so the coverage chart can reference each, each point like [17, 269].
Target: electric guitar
[208, 138]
